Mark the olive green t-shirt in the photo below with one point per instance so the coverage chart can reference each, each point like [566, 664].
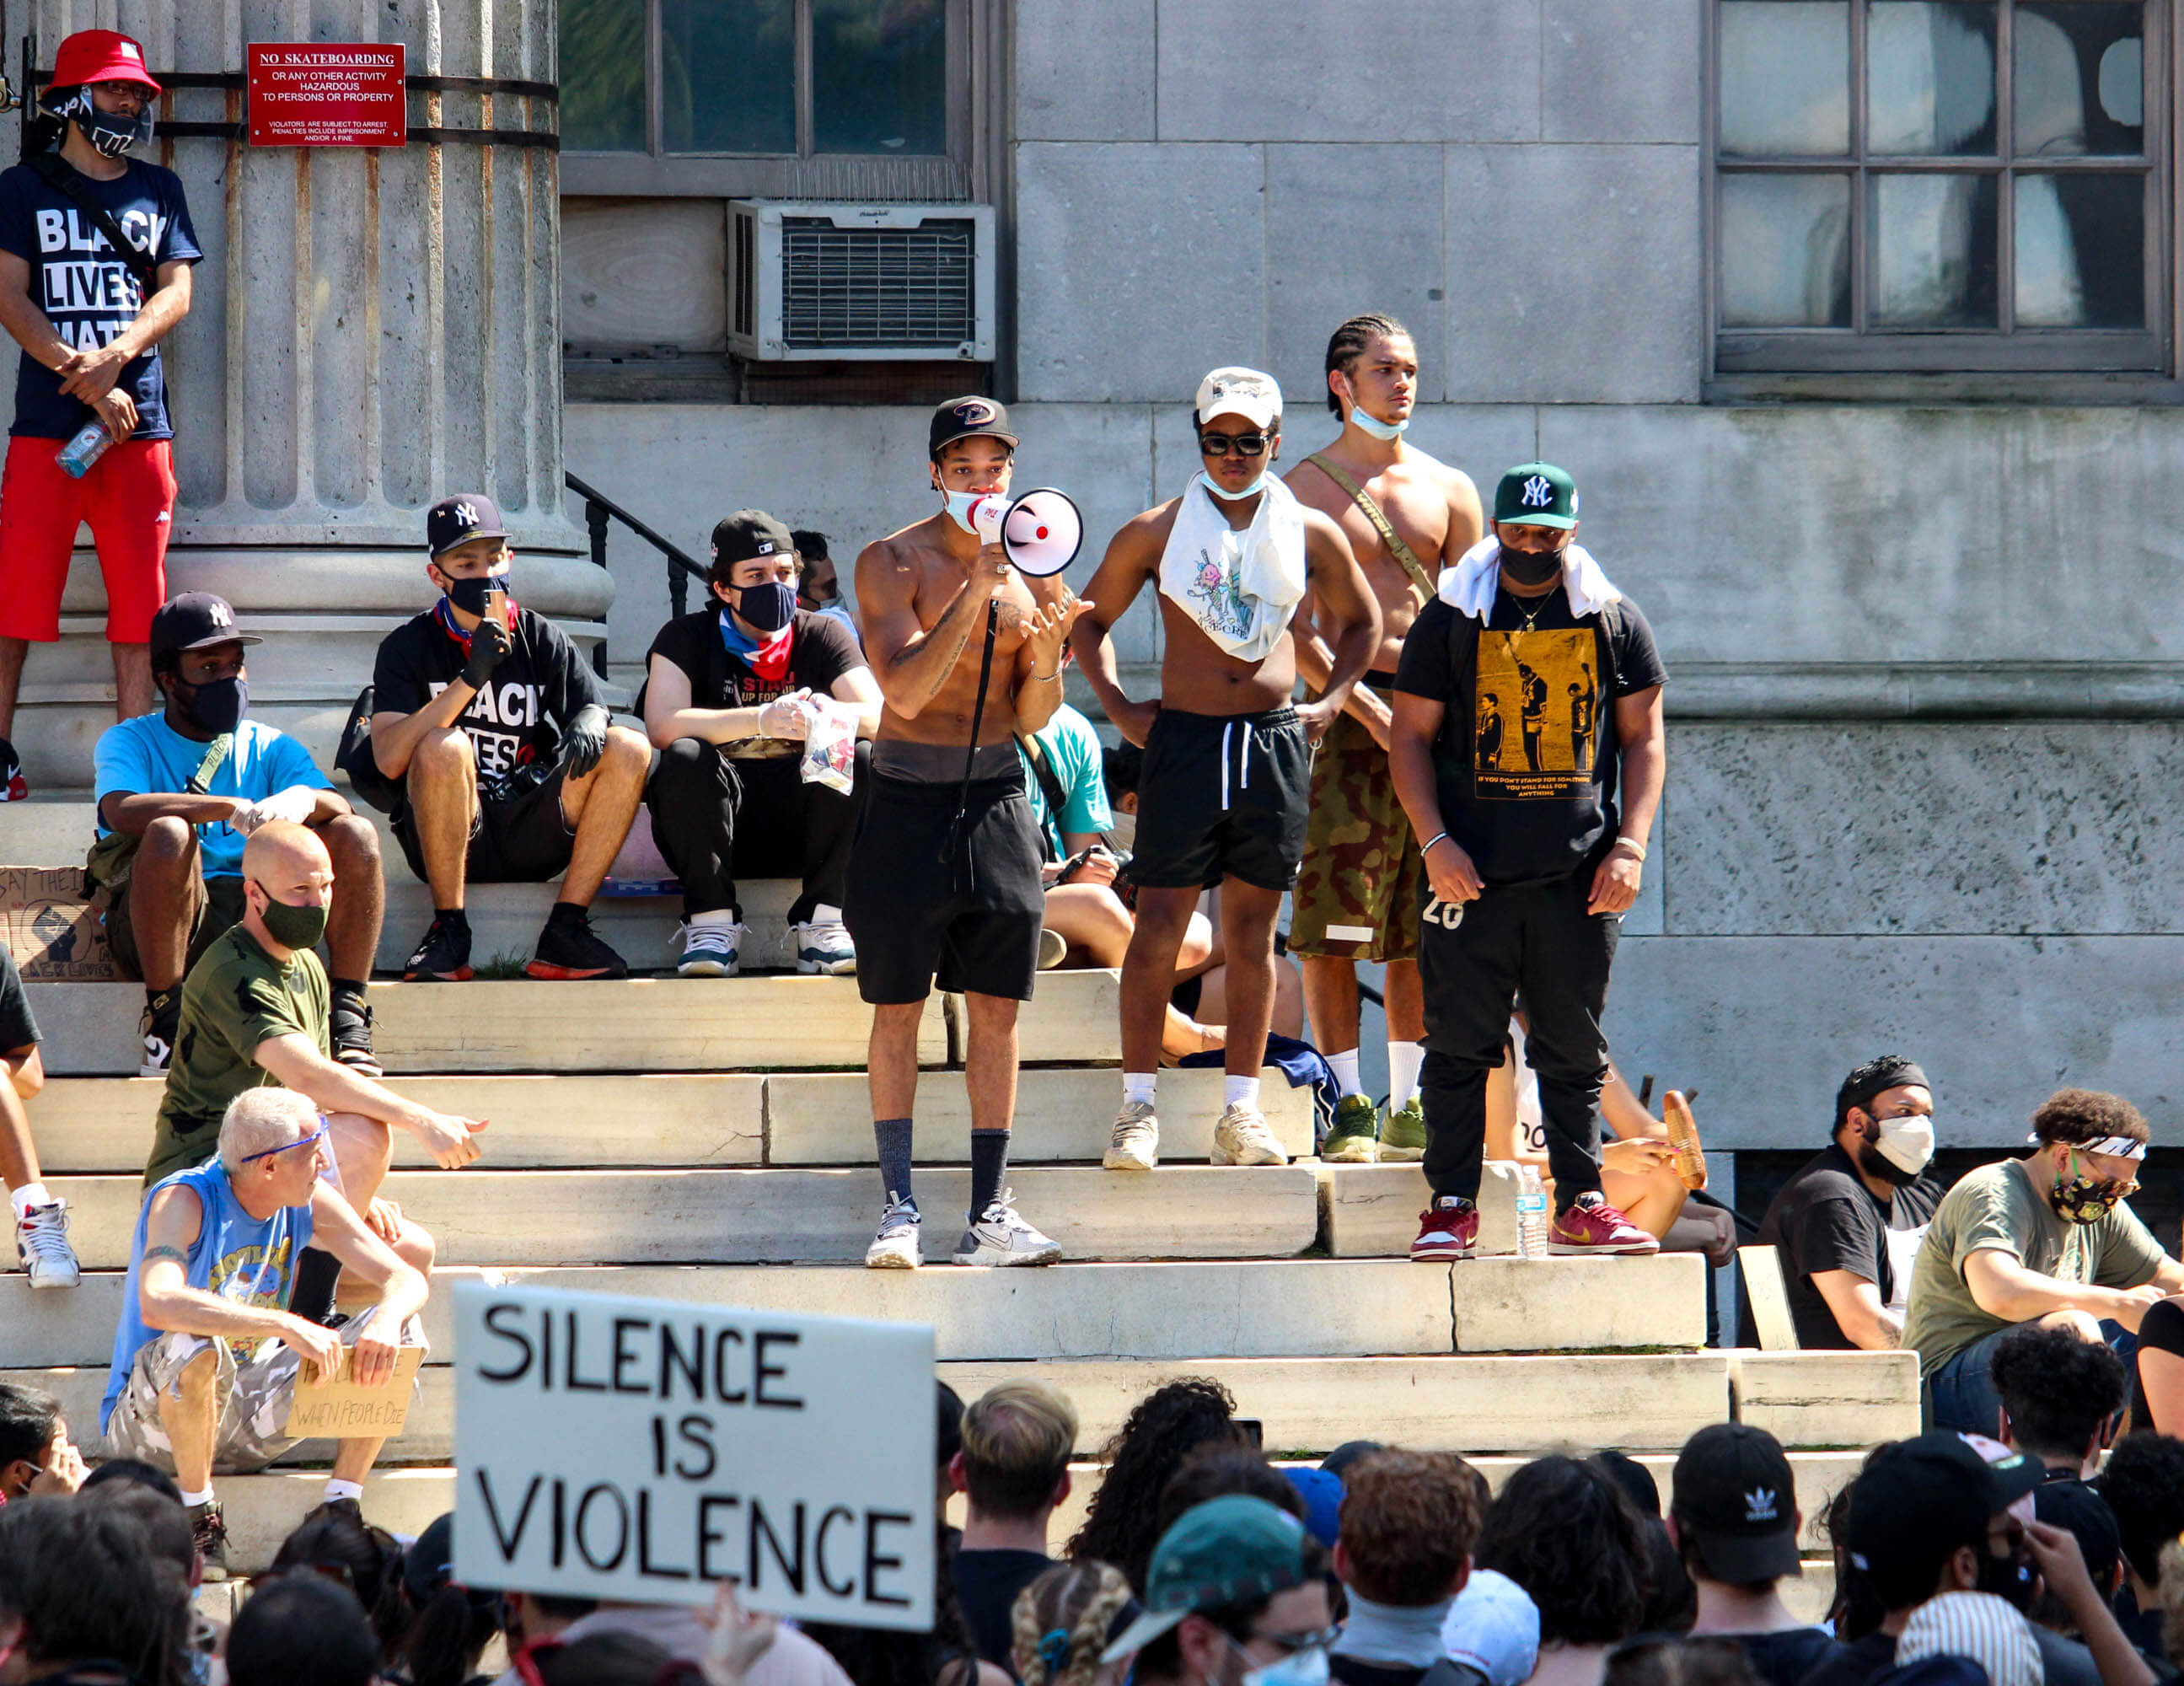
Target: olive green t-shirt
[1997, 1206]
[236, 997]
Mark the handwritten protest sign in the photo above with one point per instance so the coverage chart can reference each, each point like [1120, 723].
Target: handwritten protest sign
[618, 1448]
[339, 1409]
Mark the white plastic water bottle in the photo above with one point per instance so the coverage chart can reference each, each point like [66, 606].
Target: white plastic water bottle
[1531, 1213]
[91, 442]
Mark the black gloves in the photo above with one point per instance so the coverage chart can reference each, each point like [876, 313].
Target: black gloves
[587, 740]
[489, 647]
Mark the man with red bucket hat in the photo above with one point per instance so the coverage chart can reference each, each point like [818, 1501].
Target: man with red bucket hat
[95, 254]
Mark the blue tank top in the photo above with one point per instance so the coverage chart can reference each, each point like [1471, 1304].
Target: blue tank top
[250, 1260]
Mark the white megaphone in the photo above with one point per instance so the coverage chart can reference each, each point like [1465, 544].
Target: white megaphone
[1041, 532]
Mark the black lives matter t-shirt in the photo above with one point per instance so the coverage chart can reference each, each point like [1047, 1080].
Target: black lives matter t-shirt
[519, 717]
[1527, 755]
[1826, 1219]
[822, 650]
[18, 1029]
[86, 290]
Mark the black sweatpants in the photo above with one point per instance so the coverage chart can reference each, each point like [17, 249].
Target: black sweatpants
[1536, 940]
[717, 819]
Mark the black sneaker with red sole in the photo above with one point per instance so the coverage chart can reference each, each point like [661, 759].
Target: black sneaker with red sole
[570, 949]
[443, 956]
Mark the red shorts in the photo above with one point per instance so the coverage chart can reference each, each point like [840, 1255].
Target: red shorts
[129, 500]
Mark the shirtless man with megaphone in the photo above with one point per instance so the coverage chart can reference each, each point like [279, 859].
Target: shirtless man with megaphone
[944, 879]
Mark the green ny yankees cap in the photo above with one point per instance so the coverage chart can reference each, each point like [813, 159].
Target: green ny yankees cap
[1536, 494]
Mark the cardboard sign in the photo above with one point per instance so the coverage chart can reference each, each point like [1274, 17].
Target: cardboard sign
[327, 93]
[55, 932]
[617, 1447]
[343, 1409]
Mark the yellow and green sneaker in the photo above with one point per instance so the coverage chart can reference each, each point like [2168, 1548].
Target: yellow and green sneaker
[1350, 1141]
[1403, 1133]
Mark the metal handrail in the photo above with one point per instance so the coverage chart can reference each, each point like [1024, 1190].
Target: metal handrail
[598, 509]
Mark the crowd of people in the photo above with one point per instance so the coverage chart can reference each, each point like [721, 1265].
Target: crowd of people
[1958, 1559]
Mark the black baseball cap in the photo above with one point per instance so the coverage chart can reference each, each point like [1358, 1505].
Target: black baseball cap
[195, 620]
[2068, 1503]
[1735, 1502]
[460, 519]
[968, 417]
[1920, 1498]
[748, 535]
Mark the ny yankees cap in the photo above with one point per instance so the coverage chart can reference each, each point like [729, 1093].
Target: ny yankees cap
[1235, 391]
[1735, 1501]
[968, 417]
[195, 620]
[460, 519]
[747, 534]
[1536, 494]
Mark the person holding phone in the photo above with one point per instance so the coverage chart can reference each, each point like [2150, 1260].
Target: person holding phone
[493, 724]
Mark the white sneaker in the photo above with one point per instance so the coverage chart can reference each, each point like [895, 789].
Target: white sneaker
[1242, 1138]
[42, 1244]
[1135, 1144]
[998, 1236]
[823, 943]
[895, 1247]
[712, 946]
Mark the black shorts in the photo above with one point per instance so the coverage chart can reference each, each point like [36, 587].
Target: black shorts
[518, 836]
[973, 922]
[1222, 795]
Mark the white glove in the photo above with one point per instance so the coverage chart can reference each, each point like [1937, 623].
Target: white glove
[245, 819]
[296, 804]
[787, 717]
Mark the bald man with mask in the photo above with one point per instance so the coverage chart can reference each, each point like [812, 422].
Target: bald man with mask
[255, 1012]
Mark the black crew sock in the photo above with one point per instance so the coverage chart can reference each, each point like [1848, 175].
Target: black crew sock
[351, 987]
[566, 913]
[156, 999]
[318, 1274]
[989, 1163]
[892, 1136]
[457, 916]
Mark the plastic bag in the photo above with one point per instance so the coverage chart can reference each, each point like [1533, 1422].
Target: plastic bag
[830, 744]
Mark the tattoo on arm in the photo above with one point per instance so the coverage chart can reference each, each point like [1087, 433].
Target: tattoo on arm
[180, 1258]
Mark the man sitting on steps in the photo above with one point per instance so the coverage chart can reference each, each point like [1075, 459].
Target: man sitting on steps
[177, 793]
[511, 772]
[207, 1353]
[254, 1014]
[41, 1242]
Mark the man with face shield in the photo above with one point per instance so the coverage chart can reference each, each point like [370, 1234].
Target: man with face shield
[2047, 1239]
[179, 791]
[1848, 1223]
[494, 725]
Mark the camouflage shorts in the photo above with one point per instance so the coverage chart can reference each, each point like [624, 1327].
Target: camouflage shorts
[1356, 896]
[254, 1392]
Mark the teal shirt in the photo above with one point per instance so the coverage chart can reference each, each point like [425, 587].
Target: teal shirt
[1072, 749]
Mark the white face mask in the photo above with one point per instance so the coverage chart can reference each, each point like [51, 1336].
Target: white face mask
[1220, 491]
[959, 508]
[1907, 1143]
[1374, 428]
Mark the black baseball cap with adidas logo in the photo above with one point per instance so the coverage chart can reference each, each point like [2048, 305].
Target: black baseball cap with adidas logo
[1735, 1502]
[968, 417]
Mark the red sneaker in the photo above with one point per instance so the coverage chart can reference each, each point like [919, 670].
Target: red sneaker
[1449, 1229]
[13, 788]
[1594, 1226]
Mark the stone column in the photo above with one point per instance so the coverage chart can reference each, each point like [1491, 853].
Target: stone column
[371, 330]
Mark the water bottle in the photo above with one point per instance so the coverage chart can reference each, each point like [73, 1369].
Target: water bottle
[90, 443]
[1531, 1213]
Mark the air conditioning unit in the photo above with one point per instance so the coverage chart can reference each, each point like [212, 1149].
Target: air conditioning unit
[809, 280]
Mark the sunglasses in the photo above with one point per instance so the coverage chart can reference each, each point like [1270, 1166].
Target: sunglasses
[1291, 1643]
[316, 1136]
[1246, 444]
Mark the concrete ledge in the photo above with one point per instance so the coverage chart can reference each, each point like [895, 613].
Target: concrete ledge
[1072, 1017]
[1459, 1405]
[1506, 1304]
[675, 1217]
[1061, 1116]
[638, 1025]
[1827, 1398]
[104, 1124]
[1373, 1211]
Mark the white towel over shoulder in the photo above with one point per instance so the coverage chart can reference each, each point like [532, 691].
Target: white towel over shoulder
[1468, 587]
[1240, 588]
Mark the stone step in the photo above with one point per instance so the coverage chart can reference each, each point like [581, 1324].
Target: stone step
[104, 1124]
[1263, 1308]
[638, 1025]
[788, 1216]
[1373, 1211]
[1827, 1398]
[1526, 1405]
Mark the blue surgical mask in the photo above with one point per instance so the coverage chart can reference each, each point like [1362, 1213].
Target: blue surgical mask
[1374, 428]
[959, 508]
[1220, 491]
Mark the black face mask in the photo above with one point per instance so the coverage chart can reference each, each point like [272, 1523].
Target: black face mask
[765, 608]
[469, 595]
[219, 705]
[2009, 1579]
[1531, 567]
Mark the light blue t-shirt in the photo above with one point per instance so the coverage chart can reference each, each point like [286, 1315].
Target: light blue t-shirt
[237, 1256]
[1074, 756]
[146, 756]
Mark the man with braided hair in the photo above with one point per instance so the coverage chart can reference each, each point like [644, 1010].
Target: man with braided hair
[1407, 516]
